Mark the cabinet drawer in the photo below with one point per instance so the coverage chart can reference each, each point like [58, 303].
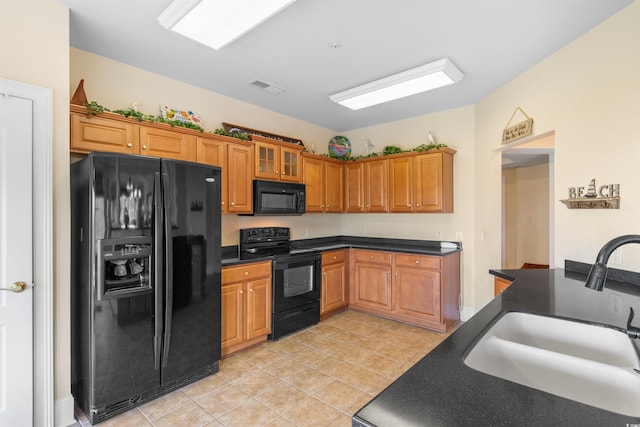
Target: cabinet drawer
[372, 256]
[418, 261]
[243, 272]
[333, 257]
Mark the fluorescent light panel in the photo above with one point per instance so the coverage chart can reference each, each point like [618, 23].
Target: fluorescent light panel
[216, 23]
[420, 79]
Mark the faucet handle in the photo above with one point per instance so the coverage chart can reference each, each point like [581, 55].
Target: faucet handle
[632, 331]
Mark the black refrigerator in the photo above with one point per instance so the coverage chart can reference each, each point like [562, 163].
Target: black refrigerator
[145, 279]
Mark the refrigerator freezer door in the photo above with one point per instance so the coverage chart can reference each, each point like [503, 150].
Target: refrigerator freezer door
[192, 330]
[123, 318]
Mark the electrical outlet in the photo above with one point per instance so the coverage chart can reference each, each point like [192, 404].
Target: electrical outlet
[439, 235]
[363, 231]
[616, 257]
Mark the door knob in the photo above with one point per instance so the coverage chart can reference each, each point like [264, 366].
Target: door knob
[16, 287]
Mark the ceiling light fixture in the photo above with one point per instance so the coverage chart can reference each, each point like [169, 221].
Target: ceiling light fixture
[420, 79]
[216, 23]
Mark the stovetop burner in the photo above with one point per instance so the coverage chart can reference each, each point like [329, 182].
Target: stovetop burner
[266, 242]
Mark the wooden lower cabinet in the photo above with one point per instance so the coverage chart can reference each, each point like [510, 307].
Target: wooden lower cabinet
[371, 280]
[334, 292]
[246, 305]
[418, 289]
[500, 284]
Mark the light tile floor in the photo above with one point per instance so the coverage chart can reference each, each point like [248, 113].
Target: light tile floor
[319, 376]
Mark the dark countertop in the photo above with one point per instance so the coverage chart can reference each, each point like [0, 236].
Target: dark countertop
[422, 247]
[440, 390]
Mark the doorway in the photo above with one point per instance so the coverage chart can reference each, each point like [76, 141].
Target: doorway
[41, 100]
[527, 203]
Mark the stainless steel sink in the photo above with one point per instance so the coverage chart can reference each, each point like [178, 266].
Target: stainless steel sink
[591, 364]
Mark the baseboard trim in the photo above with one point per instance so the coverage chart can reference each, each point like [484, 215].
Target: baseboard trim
[466, 313]
[64, 412]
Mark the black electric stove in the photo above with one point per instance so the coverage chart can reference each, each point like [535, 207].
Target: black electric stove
[296, 276]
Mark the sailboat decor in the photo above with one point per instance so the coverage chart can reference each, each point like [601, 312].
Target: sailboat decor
[605, 197]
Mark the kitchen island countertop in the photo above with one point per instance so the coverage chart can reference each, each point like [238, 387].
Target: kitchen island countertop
[440, 390]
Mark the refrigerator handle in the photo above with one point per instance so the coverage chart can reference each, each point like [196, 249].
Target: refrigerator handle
[158, 234]
[168, 262]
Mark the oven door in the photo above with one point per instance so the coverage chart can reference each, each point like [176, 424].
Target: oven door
[296, 281]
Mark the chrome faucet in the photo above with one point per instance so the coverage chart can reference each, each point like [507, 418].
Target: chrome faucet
[598, 273]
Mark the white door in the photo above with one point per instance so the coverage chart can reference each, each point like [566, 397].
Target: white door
[16, 265]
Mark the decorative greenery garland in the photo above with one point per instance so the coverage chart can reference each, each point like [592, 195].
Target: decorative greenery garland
[93, 108]
[388, 150]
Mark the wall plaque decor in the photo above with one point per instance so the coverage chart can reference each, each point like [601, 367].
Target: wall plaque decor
[605, 197]
[517, 130]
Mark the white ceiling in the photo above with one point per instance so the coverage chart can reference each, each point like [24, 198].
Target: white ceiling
[490, 41]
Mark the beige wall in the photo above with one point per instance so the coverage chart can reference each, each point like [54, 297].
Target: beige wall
[34, 49]
[589, 94]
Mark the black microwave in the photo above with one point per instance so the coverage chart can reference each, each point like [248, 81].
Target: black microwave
[278, 198]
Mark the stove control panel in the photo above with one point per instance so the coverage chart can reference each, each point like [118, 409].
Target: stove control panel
[264, 234]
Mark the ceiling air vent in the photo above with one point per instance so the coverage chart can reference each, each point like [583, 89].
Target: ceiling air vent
[266, 86]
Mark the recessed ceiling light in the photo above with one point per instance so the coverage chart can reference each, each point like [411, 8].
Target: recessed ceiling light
[216, 23]
[420, 79]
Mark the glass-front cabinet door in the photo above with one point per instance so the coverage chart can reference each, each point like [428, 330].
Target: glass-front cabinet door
[291, 165]
[276, 160]
[267, 161]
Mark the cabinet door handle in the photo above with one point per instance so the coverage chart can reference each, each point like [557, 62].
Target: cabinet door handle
[396, 274]
[250, 289]
[233, 204]
[418, 204]
[417, 262]
[410, 205]
[246, 273]
[222, 203]
[144, 147]
[370, 256]
[130, 145]
[241, 292]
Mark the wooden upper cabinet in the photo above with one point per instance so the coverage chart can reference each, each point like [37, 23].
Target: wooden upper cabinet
[354, 187]
[324, 183]
[276, 160]
[376, 178]
[313, 179]
[167, 144]
[239, 164]
[235, 157]
[401, 184]
[99, 134]
[334, 186]
[433, 188]
[111, 132]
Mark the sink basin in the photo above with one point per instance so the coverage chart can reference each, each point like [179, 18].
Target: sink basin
[590, 364]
